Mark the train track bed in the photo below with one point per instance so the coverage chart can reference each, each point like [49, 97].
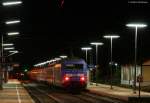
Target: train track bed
[43, 94]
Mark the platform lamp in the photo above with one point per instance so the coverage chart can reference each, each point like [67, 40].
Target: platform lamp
[86, 49]
[136, 26]
[111, 37]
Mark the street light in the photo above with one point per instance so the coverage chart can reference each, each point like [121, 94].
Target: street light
[13, 33]
[138, 2]
[2, 52]
[97, 44]
[10, 22]
[12, 52]
[8, 3]
[111, 37]
[86, 49]
[8, 44]
[136, 26]
[11, 3]
[9, 48]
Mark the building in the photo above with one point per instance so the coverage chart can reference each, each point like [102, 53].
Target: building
[127, 73]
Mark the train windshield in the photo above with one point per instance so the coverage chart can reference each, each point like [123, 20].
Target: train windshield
[74, 66]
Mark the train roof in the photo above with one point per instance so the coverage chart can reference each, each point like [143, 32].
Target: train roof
[66, 60]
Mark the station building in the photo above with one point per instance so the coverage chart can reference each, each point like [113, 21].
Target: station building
[127, 73]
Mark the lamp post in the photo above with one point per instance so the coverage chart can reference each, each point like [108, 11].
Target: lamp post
[97, 44]
[7, 3]
[136, 26]
[86, 50]
[1, 68]
[2, 56]
[111, 37]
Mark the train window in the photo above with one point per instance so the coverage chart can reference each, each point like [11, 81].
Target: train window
[74, 66]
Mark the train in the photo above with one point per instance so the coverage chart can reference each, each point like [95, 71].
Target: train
[65, 73]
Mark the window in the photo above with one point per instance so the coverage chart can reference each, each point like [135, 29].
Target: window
[74, 66]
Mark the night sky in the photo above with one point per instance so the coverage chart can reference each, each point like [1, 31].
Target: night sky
[49, 30]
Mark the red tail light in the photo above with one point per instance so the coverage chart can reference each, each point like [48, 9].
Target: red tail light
[82, 79]
[66, 78]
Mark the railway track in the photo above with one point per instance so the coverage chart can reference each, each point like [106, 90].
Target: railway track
[102, 98]
[38, 96]
[42, 94]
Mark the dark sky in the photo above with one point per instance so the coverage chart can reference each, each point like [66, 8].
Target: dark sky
[48, 30]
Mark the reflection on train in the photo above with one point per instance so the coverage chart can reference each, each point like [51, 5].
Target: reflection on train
[67, 73]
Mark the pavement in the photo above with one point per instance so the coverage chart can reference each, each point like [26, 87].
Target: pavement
[14, 92]
[117, 92]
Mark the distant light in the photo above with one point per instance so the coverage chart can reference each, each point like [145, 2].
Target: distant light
[13, 33]
[138, 2]
[57, 59]
[9, 48]
[140, 25]
[111, 36]
[13, 51]
[41, 64]
[16, 65]
[86, 48]
[12, 22]
[97, 43]
[10, 44]
[25, 70]
[11, 3]
[116, 64]
[63, 56]
[53, 60]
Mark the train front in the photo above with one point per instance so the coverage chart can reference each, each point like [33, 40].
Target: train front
[74, 74]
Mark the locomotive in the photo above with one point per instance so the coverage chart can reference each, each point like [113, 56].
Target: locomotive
[66, 73]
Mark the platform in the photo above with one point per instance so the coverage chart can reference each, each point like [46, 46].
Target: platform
[14, 92]
[117, 92]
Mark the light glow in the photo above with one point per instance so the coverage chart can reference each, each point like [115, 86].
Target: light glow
[86, 48]
[11, 3]
[138, 2]
[97, 43]
[10, 44]
[13, 51]
[67, 78]
[116, 64]
[57, 59]
[13, 33]
[63, 56]
[12, 22]
[9, 48]
[139, 25]
[111, 36]
[82, 79]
